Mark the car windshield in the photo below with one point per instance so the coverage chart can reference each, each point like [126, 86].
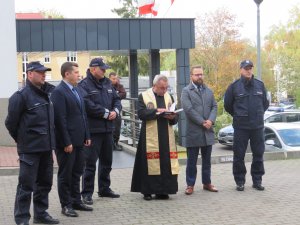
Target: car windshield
[290, 137]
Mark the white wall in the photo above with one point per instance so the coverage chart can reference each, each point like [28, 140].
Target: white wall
[8, 62]
[8, 51]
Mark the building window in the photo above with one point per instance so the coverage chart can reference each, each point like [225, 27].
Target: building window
[47, 58]
[72, 57]
[24, 65]
[48, 76]
[25, 57]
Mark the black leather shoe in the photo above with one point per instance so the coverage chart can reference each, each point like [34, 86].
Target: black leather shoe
[46, 220]
[240, 187]
[87, 200]
[67, 211]
[109, 194]
[147, 197]
[82, 207]
[160, 196]
[258, 187]
[23, 223]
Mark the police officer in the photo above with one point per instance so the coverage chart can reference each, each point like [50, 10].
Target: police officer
[246, 101]
[30, 122]
[103, 105]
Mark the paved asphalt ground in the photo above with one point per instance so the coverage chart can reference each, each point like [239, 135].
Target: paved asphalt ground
[278, 204]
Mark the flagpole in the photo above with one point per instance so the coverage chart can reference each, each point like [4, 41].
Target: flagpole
[167, 11]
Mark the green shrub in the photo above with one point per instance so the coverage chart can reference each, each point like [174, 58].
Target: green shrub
[223, 120]
[221, 110]
[297, 98]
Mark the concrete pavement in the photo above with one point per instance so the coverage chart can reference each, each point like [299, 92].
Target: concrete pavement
[278, 204]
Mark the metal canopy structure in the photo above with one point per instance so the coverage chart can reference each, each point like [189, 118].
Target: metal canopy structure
[104, 34]
[115, 34]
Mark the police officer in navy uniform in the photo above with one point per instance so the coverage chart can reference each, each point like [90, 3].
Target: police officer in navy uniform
[246, 101]
[103, 105]
[30, 122]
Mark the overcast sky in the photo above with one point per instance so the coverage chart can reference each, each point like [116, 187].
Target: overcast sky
[272, 11]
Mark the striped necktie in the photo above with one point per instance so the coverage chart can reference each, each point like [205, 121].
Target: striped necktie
[76, 94]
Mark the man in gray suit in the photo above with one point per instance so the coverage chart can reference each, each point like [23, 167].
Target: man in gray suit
[200, 108]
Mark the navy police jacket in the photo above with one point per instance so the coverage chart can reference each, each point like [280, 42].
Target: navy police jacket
[246, 101]
[30, 119]
[100, 98]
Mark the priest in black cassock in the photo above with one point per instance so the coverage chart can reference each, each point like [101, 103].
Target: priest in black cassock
[156, 163]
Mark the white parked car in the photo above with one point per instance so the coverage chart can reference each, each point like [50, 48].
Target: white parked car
[225, 135]
[282, 136]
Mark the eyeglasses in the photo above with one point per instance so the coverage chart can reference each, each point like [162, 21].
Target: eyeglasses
[198, 75]
[248, 68]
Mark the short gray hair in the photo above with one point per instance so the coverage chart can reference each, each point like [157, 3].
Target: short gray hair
[159, 77]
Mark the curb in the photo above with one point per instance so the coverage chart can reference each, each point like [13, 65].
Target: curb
[215, 159]
[268, 156]
[14, 171]
[228, 158]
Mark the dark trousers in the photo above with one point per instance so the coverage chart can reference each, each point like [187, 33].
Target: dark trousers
[240, 143]
[35, 176]
[68, 177]
[117, 130]
[101, 149]
[191, 167]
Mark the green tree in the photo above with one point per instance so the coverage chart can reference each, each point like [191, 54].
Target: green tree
[297, 95]
[219, 49]
[128, 10]
[168, 60]
[283, 46]
[120, 63]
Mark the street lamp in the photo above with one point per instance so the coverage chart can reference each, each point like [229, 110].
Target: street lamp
[258, 40]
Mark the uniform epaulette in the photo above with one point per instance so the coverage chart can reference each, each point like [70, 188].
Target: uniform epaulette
[235, 81]
[258, 80]
[21, 89]
[81, 80]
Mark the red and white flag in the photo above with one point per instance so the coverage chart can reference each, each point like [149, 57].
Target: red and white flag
[150, 6]
[145, 6]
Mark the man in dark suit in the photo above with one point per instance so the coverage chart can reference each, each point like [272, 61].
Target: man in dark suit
[71, 134]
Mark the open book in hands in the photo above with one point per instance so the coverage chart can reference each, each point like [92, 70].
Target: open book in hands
[170, 111]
